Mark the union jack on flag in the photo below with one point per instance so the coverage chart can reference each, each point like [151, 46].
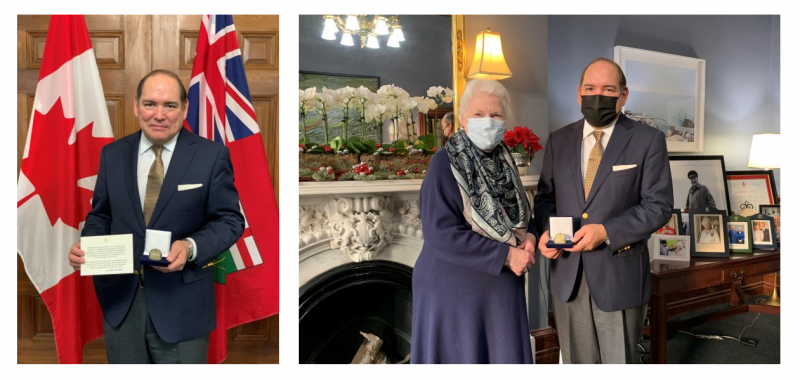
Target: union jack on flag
[225, 114]
[220, 109]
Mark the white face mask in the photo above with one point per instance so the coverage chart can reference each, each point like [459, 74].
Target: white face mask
[486, 132]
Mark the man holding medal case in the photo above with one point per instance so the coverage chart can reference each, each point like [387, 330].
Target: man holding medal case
[173, 192]
[609, 177]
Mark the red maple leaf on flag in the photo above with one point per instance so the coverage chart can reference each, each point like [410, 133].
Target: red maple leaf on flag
[54, 166]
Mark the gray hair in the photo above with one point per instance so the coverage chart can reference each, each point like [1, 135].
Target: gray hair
[488, 86]
[447, 118]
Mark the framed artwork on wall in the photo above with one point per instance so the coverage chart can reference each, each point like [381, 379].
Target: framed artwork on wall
[311, 126]
[666, 92]
[337, 81]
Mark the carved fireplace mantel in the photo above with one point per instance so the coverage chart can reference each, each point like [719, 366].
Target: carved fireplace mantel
[354, 221]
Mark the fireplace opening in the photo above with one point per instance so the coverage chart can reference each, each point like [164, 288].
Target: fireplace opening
[335, 307]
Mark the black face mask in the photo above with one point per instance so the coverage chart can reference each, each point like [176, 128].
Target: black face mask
[599, 110]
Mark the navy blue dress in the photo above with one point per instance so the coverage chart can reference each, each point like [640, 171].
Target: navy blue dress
[468, 307]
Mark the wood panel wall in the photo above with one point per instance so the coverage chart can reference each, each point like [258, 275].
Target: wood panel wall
[127, 47]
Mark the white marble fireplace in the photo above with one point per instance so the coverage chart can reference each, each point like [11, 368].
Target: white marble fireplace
[358, 244]
[353, 221]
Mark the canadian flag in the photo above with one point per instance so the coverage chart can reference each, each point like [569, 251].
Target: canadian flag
[69, 126]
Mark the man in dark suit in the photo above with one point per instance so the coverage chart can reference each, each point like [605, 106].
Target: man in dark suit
[168, 179]
[612, 176]
[732, 235]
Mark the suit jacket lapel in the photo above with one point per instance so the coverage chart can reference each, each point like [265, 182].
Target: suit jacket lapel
[616, 145]
[130, 160]
[181, 157]
[575, 142]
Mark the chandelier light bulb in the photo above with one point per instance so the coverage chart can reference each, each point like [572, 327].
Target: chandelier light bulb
[330, 29]
[381, 28]
[365, 29]
[398, 31]
[347, 39]
[393, 42]
[352, 23]
[372, 42]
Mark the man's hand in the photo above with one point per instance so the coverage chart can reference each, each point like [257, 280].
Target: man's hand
[588, 238]
[519, 260]
[76, 256]
[177, 257]
[550, 253]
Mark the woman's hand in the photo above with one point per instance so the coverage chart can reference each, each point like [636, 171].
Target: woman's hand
[529, 244]
[519, 260]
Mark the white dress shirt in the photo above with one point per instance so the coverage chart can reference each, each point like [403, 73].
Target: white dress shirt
[146, 158]
[589, 141]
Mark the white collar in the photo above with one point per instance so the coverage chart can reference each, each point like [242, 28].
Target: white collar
[608, 129]
[145, 144]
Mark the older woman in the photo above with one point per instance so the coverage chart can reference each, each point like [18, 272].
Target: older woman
[708, 234]
[468, 284]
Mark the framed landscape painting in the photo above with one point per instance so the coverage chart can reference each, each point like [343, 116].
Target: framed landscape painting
[666, 92]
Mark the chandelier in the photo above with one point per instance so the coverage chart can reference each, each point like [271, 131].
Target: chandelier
[360, 25]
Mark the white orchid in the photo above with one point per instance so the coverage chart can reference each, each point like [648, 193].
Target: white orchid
[329, 100]
[435, 91]
[308, 103]
[363, 93]
[441, 94]
[393, 91]
[425, 104]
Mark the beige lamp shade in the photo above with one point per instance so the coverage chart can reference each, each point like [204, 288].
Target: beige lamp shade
[764, 151]
[489, 62]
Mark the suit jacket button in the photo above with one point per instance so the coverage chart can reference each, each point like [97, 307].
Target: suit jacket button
[585, 215]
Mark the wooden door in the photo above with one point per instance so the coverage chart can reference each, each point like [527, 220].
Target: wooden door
[127, 47]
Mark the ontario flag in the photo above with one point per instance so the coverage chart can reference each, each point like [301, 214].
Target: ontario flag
[220, 110]
[68, 127]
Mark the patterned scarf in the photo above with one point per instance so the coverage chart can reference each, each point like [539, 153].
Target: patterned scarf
[495, 204]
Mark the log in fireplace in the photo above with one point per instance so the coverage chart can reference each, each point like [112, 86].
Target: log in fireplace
[371, 296]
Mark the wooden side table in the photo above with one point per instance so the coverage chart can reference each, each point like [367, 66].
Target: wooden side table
[668, 278]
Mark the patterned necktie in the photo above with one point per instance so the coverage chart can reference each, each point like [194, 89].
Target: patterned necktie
[154, 181]
[594, 163]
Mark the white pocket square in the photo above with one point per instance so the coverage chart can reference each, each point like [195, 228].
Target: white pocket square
[623, 167]
[189, 186]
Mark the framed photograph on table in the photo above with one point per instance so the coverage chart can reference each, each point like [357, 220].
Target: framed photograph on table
[706, 230]
[774, 212]
[666, 92]
[671, 247]
[740, 235]
[699, 182]
[769, 210]
[748, 189]
[674, 226]
[763, 232]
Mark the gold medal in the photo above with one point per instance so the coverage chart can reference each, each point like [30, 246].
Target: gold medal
[155, 254]
[560, 238]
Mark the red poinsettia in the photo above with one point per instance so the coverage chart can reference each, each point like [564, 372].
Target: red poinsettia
[521, 140]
